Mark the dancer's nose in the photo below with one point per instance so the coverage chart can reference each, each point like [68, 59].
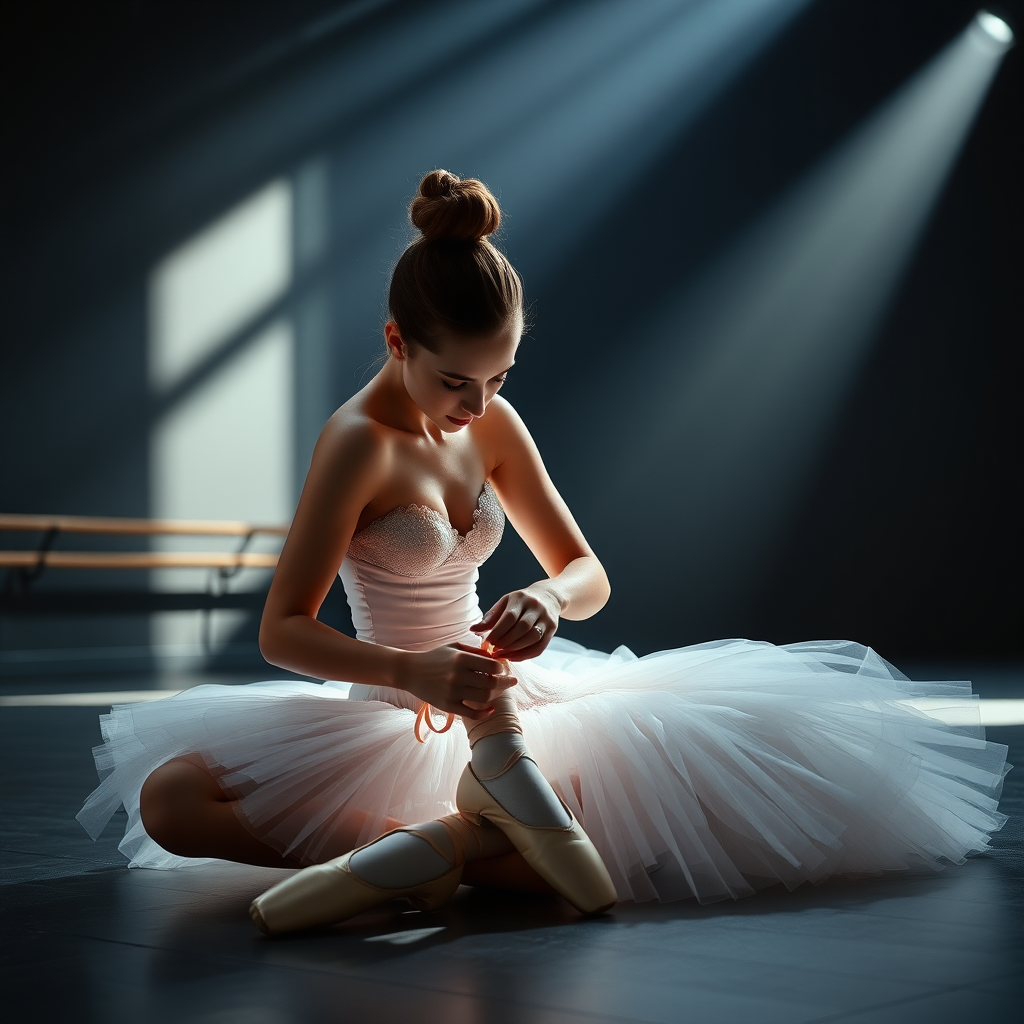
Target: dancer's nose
[474, 403]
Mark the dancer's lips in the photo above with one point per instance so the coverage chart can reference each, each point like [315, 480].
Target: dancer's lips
[460, 423]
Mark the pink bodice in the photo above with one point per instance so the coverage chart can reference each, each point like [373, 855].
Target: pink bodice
[410, 576]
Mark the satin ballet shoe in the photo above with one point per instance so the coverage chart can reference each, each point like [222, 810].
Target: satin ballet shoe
[329, 893]
[563, 856]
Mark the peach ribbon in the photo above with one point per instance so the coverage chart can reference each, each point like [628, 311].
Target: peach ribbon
[423, 716]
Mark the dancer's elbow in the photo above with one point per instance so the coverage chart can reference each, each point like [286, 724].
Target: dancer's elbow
[600, 589]
[267, 642]
[603, 592]
[273, 639]
[592, 591]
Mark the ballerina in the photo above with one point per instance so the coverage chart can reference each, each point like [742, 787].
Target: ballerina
[708, 771]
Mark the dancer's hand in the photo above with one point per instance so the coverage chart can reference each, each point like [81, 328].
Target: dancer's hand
[521, 624]
[447, 676]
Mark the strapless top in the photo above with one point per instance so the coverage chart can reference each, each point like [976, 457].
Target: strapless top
[410, 577]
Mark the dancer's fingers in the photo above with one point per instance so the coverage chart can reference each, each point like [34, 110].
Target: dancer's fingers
[527, 648]
[508, 618]
[474, 709]
[489, 671]
[474, 686]
[477, 662]
[522, 634]
[506, 681]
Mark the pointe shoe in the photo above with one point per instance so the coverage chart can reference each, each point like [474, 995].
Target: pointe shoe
[329, 893]
[563, 856]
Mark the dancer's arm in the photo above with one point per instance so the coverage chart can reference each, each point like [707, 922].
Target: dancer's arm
[349, 463]
[576, 586]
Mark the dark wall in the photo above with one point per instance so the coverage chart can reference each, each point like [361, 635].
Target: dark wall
[133, 125]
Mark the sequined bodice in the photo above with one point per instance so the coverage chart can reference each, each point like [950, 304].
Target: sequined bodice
[415, 540]
[410, 576]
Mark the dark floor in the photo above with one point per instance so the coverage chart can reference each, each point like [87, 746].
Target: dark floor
[84, 939]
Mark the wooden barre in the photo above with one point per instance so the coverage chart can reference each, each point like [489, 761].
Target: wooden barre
[136, 560]
[135, 527]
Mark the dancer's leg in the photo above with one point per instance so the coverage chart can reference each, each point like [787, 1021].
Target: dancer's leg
[422, 863]
[187, 811]
[513, 780]
[402, 859]
[503, 785]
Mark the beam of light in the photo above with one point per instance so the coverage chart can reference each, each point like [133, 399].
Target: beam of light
[406, 938]
[760, 351]
[992, 712]
[223, 448]
[1002, 711]
[310, 302]
[409, 93]
[390, 60]
[211, 284]
[996, 30]
[608, 87]
[273, 53]
[597, 139]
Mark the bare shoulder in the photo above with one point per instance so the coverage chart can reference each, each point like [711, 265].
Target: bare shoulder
[505, 431]
[351, 428]
[353, 451]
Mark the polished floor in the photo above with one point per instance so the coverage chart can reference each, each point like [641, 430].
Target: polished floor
[84, 939]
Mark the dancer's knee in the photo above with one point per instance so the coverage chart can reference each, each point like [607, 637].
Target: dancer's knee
[170, 799]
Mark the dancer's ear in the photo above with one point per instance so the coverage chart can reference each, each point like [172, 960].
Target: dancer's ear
[393, 339]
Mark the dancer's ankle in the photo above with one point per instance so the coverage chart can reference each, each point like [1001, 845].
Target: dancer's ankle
[501, 763]
[504, 719]
[398, 860]
[419, 853]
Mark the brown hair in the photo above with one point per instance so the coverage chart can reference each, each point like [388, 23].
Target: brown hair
[452, 280]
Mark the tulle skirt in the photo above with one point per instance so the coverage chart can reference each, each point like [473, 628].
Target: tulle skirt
[708, 771]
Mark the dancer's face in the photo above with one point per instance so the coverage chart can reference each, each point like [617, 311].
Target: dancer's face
[453, 386]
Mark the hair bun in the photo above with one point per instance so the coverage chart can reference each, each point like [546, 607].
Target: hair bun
[454, 209]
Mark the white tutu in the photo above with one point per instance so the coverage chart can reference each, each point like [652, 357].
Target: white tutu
[707, 771]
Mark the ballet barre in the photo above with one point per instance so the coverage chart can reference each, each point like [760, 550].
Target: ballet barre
[25, 566]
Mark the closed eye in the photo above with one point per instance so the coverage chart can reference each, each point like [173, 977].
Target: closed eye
[458, 387]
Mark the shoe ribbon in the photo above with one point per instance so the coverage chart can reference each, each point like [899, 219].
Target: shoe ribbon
[423, 716]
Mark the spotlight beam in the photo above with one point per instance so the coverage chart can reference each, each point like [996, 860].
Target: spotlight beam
[611, 87]
[993, 29]
[771, 337]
